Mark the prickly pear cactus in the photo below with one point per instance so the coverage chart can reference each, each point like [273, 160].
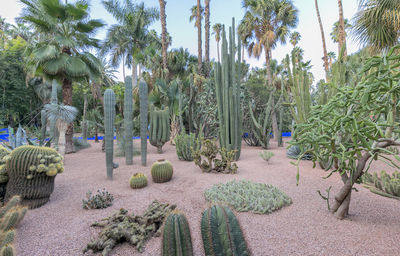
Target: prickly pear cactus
[176, 236]
[162, 171]
[159, 127]
[143, 98]
[385, 185]
[138, 180]
[32, 171]
[221, 233]
[109, 117]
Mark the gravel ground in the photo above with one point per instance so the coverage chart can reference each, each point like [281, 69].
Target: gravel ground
[62, 227]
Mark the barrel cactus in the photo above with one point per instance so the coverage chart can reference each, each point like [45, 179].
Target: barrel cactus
[161, 171]
[185, 143]
[32, 171]
[176, 236]
[221, 233]
[109, 117]
[143, 98]
[138, 180]
[159, 127]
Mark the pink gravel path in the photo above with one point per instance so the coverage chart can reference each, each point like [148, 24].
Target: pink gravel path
[62, 227]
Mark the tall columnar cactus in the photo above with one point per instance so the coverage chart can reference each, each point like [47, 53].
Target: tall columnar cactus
[128, 123]
[159, 127]
[10, 216]
[43, 119]
[143, 98]
[227, 81]
[221, 233]
[54, 134]
[176, 236]
[109, 117]
[31, 172]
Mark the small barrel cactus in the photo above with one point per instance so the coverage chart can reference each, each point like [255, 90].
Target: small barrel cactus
[221, 233]
[161, 171]
[32, 171]
[138, 180]
[176, 236]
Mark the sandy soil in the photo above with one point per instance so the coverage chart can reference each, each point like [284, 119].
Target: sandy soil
[62, 227]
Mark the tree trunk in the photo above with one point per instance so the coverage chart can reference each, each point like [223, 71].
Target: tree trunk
[198, 24]
[269, 78]
[84, 122]
[67, 100]
[342, 33]
[323, 42]
[163, 33]
[207, 30]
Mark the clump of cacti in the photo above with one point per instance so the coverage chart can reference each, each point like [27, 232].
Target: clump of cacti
[162, 171]
[102, 199]
[209, 151]
[246, 196]
[11, 215]
[109, 118]
[32, 171]
[385, 185]
[143, 98]
[159, 127]
[138, 180]
[266, 155]
[184, 144]
[261, 126]
[128, 123]
[221, 233]
[176, 236]
[227, 81]
[123, 227]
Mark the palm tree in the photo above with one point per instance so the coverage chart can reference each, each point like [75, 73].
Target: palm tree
[197, 13]
[377, 23]
[342, 32]
[265, 24]
[217, 29]
[207, 30]
[321, 28]
[331, 57]
[295, 38]
[66, 28]
[335, 30]
[163, 33]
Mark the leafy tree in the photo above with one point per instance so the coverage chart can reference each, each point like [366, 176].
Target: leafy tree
[197, 14]
[217, 29]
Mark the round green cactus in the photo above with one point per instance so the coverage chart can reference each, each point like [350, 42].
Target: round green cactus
[162, 171]
[138, 180]
[32, 171]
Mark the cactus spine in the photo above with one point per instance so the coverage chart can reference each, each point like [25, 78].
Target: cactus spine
[227, 81]
[109, 117]
[143, 98]
[128, 123]
[162, 171]
[221, 233]
[176, 236]
[159, 127]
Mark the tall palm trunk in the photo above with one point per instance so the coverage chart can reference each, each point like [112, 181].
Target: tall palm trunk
[67, 100]
[207, 30]
[198, 24]
[326, 66]
[342, 33]
[269, 79]
[163, 33]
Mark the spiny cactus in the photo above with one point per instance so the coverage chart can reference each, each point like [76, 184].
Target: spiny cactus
[138, 180]
[10, 216]
[221, 233]
[32, 171]
[227, 81]
[54, 133]
[385, 185]
[43, 119]
[4, 153]
[261, 126]
[176, 236]
[162, 171]
[128, 123]
[143, 98]
[102, 199]
[109, 117]
[159, 127]
[184, 144]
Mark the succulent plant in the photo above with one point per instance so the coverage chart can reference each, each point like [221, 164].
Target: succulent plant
[221, 233]
[266, 155]
[294, 152]
[246, 196]
[176, 236]
[159, 127]
[138, 180]
[184, 144]
[109, 118]
[32, 171]
[385, 185]
[128, 123]
[143, 98]
[102, 199]
[162, 171]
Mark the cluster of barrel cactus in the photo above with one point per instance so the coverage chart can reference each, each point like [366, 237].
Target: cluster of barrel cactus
[385, 185]
[220, 231]
[159, 127]
[31, 172]
[246, 196]
[162, 171]
[138, 180]
[184, 144]
[10, 216]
